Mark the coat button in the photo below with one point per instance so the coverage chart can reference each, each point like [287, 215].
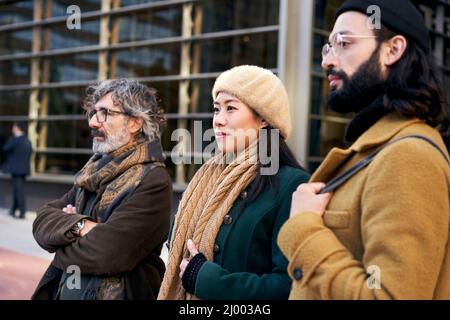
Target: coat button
[243, 195]
[298, 274]
[216, 248]
[227, 219]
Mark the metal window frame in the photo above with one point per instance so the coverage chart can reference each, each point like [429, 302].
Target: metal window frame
[142, 43]
[83, 83]
[95, 14]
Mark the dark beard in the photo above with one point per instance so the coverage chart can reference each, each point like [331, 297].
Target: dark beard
[361, 89]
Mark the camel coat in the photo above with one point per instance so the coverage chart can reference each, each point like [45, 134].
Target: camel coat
[385, 233]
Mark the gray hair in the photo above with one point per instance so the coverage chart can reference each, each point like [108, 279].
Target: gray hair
[136, 99]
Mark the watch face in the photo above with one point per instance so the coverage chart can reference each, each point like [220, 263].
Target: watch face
[77, 227]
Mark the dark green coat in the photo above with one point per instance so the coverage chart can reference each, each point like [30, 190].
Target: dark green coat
[247, 261]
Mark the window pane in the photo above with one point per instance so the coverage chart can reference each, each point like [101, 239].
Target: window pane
[73, 67]
[318, 99]
[60, 37]
[319, 42]
[145, 62]
[67, 134]
[16, 12]
[256, 49]
[153, 24]
[124, 3]
[220, 15]
[190, 164]
[14, 103]
[15, 42]
[168, 95]
[62, 163]
[59, 7]
[65, 100]
[324, 135]
[325, 11]
[14, 72]
[201, 97]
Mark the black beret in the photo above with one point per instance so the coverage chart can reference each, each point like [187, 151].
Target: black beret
[400, 16]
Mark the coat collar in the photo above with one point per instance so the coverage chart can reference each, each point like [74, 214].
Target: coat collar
[380, 133]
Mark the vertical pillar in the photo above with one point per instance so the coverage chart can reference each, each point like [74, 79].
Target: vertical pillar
[294, 67]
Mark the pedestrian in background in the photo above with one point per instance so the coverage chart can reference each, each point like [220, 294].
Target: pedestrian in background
[18, 152]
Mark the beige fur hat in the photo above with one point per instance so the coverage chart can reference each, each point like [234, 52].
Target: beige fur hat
[261, 90]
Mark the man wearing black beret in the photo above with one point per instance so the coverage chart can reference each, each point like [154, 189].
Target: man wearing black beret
[373, 223]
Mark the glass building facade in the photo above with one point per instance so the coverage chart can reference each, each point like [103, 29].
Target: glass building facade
[177, 47]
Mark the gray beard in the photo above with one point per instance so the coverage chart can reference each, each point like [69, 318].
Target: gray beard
[112, 142]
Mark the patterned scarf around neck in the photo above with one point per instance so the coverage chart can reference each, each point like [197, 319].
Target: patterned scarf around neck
[207, 199]
[116, 175]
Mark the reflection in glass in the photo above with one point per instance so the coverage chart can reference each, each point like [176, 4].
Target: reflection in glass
[14, 103]
[152, 24]
[168, 95]
[146, 62]
[15, 42]
[74, 67]
[324, 13]
[16, 12]
[256, 49]
[318, 42]
[59, 7]
[62, 38]
[62, 163]
[325, 135]
[14, 72]
[124, 3]
[221, 15]
[65, 100]
[68, 134]
[201, 98]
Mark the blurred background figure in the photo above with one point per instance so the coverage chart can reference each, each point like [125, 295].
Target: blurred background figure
[18, 152]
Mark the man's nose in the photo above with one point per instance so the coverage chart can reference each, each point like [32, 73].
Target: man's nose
[329, 62]
[93, 122]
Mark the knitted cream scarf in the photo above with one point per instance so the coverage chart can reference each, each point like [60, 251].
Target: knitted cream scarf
[207, 199]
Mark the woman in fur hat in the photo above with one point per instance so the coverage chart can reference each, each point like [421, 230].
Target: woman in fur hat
[223, 242]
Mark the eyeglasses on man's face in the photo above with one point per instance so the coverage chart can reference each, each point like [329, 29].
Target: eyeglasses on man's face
[102, 114]
[339, 42]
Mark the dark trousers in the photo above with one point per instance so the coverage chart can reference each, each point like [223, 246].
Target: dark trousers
[18, 184]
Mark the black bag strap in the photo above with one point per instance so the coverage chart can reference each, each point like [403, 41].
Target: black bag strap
[340, 179]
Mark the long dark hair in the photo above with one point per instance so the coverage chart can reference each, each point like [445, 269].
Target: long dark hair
[286, 158]
[412, 86]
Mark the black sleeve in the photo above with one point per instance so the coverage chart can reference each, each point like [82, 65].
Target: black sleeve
[191, 272]
[8, 145]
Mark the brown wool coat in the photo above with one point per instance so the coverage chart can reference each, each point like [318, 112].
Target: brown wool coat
[128, 243]
[393, 215]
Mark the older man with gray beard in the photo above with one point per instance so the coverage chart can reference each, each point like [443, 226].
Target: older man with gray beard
[108, 230]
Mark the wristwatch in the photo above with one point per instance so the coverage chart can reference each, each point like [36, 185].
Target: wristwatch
[77, 227]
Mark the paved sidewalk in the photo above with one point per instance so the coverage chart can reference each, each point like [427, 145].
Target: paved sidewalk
[16, 235]
[19, 274]
[22, 261]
